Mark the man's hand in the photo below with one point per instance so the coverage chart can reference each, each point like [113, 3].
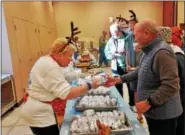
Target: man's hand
[138, 48]
[128, 67]
[112, 81]
[142, 106]
[103, 129]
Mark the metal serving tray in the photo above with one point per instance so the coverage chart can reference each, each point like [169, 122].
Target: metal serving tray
[115, 132]
[107, 108]
[102, 94]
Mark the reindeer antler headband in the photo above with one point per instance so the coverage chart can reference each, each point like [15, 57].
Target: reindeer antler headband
[133, 16]
[121, 19]
[74, 31]
[58, 45]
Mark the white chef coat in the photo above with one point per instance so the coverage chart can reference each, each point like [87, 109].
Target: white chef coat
[47, 83]
[70, 73]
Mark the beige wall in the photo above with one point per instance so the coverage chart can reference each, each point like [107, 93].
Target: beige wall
[180, 12]
[36, 13]
[92, 17]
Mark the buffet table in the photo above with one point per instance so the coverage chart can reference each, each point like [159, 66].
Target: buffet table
[70, 112]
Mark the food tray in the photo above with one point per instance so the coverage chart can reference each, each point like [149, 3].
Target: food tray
[107, 108]
[102, 94]
[114, 132]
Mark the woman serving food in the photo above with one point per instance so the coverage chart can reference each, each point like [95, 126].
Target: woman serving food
[48, 92]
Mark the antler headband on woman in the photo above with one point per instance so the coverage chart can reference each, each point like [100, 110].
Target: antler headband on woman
[121, 19]
[133, 16]
[59, 45]
[74, 31]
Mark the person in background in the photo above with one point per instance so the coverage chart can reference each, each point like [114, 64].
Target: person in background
[113, 27]
[46, 97]
[102, 43]
[76, 53]
[177, 36]
[166, 35]
[158, 81]
[130, 45]
[131, 61]
[115, 52]
[182, 27]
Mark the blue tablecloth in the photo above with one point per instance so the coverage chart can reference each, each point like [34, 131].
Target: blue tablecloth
[70, 112]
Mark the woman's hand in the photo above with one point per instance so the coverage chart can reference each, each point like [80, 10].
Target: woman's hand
[103, 129]
[81, 75]
[96, 83]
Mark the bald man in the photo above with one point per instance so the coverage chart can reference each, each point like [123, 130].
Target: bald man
[158, 81]
[102, 44]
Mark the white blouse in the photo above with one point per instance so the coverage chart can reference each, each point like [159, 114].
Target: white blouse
[47, 83]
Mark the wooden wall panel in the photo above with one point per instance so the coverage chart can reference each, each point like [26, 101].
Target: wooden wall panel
[15, 60]
[23, 50]
[34, 44]
[24, 46]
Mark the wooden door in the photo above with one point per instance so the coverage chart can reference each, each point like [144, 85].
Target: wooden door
[50, 40]
[52, 37]
[169, 13]
[34, 44]
[43, 38]
[15, 60]
[23, 50]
